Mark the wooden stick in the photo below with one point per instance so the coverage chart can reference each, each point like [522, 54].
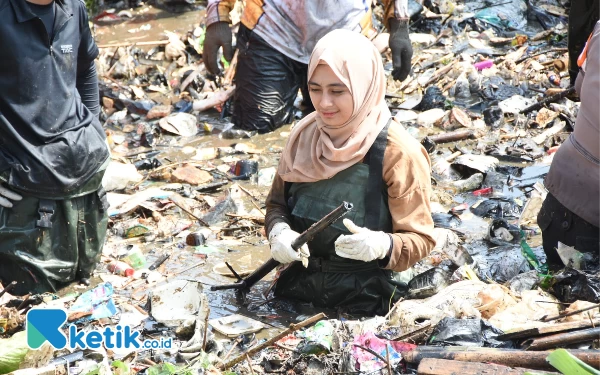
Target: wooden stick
[235, 343]
[430, 366]
[541, 53]
[571, 313]
[412, 333]
[178, 204]
[453, 156]
[8, 288]
[507, 357]
[25, 299]
[561, 339]
[387, 359]
[548, 100]
[127, 44]
[293, 327]
[189, 268]
[374, 353]
[205, 330]
[555, 328]
[190, 78]
[439, 73]
[457, 135]
[249, 363]
[230, 73]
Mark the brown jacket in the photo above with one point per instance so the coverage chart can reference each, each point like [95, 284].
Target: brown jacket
[406, 171]
[574, 175]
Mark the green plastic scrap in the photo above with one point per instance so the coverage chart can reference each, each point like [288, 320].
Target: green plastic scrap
[12, 352]
[531, 258]
[120, 368]
[568, 364]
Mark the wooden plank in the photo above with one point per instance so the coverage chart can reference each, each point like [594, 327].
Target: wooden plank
[430, 366]
[555, 328]
[507, 357]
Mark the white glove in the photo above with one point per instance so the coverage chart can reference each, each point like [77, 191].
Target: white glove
[6, 194]
[364, 244]
[281, 238]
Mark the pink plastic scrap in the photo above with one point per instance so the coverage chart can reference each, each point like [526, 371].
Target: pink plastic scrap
[485, 64]
[367, 361]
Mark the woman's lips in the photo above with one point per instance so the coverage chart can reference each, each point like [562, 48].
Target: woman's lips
[328, 114]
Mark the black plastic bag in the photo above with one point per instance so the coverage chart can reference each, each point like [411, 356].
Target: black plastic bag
[467, 332]
[571, 285]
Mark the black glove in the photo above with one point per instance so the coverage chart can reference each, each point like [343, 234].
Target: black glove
[401, 48]
[217, 35]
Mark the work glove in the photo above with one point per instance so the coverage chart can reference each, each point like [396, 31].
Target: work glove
[363, 244]
[217, 35]
[281, 238]
[7, 195]
[401, 48]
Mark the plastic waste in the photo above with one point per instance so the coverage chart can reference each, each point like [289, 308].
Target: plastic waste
[118, 175]
[525, 281]
[218, 212]
[500, 264]
[576, 259]
[235, 325]
[493, 116]
[195, 239]
[485, 64]
[121, 268]
[266, 176]
[571, 285]
[428, 283]
[505, 15]
[433, 98]
[15, 353]
[146, 164]
[180, 123]
[173, 303]
[135, 258]
[494, 298]
[501, 232]
[496, 208]
[243, 169]
[237, 134]
[467, 332]
[319, 338]
[97, 301]
[367, 362]
[469, 164]
[443, 220]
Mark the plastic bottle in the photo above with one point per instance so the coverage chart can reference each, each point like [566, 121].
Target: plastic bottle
[135, 258]
[121, 268]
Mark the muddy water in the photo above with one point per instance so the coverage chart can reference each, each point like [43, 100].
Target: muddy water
[135, 29]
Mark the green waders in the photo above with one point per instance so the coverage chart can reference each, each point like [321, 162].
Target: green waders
[332, 281]
[46, 243]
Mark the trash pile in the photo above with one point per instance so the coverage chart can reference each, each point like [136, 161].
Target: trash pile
[489, 98]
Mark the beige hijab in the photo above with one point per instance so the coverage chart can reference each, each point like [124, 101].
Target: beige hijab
[316, 151]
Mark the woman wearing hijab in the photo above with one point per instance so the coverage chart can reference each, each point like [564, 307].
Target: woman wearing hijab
[349, 149]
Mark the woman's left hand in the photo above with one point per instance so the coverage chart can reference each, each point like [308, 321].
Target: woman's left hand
[364, 244]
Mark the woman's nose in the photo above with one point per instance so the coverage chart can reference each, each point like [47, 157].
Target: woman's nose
[326, 101]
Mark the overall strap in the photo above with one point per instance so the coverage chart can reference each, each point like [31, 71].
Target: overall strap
[375, 160]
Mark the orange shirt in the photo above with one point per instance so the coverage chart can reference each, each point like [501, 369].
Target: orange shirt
[406, 171]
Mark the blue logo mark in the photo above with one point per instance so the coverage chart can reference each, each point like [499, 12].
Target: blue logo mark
[46, 325]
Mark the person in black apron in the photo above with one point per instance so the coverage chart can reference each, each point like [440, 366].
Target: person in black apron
[349, 149]
[53, 209]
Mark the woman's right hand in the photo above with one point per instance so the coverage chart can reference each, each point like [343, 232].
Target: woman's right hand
[280, 239]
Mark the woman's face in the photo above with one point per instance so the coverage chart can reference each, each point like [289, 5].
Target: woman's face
[331, 98]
